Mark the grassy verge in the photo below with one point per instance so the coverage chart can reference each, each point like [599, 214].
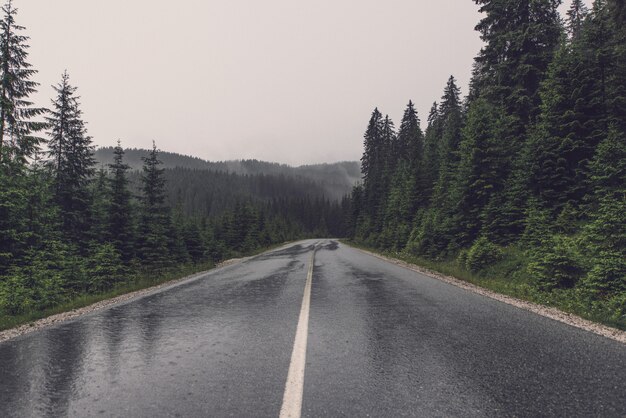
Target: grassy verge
[142, 280]
[509, 277]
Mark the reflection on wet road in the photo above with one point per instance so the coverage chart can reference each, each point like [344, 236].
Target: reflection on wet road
[382, 341]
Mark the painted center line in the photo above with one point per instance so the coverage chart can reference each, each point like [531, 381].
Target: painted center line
[292, 399]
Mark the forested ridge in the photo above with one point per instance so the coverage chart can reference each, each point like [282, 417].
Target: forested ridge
[525, 178]
[335, 179]
[72, 227]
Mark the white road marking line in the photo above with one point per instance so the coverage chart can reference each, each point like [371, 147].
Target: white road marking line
[292, 399]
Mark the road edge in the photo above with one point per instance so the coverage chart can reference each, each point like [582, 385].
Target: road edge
[20, 330]
[545, 311]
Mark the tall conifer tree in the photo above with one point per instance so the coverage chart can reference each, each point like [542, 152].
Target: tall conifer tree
[155, 214]
[120, 225]
[17, 125]
[72, 159]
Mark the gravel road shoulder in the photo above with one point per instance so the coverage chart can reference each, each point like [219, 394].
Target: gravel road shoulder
[75, 313]
[549, 312]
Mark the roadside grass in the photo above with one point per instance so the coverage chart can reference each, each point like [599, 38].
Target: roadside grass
[509, 277]
[141, 280]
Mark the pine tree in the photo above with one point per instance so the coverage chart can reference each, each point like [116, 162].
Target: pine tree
[481, 170]
[155, 215]
[17, 127]
[105, 268]
[451, 124]
[410, 142]
[17, 139]
[430, 164]
[399, 208]
[13, 219]
[410, 151]
[520, 40]
[193, 241]
[100, 196]
[575, 17]
[373, 166]
[120, 219]
[604, 238]
[71, 156]
[372, 147]
[575, 115]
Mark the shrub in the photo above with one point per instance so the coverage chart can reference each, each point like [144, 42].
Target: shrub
[558, 264]
[105, 268]
[461, 259]
[483, 253]
[607, 277]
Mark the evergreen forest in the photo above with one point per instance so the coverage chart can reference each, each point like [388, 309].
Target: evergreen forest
[523, 181]
[78, 224]
[520, 185]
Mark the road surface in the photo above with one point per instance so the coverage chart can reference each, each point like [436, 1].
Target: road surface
[374, 339]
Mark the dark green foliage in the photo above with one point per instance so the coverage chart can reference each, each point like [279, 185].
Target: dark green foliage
[528, 177]
[13, 206]
[482, 169]
[154, 245]
[575, 17]
[71, 159]
[399, 210]
[604, 238]
[558, 264]
[429, 172]
[100, 195]
[17, 127]
[120, 228]
[482, 254]
[410, 142]
[193, 241]
[520, 39]
[105, 268]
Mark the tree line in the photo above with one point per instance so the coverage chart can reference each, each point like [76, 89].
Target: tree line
[69, 229]
[528, 170]
[332, 180]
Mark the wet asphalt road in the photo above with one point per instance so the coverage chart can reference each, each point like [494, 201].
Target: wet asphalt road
[382, 341]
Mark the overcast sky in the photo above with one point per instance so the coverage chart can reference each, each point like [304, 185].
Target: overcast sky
[279, 80]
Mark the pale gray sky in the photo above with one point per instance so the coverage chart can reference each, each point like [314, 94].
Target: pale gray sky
[279, 80]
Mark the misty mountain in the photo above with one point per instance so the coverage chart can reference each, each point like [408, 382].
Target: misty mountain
[335, 179]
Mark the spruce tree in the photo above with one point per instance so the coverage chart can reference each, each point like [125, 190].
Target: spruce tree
[155, 215]
[387, 166]
[17, 125]
[100, 197]
[410, 142]
[410, 150]
[451, 124]
[481, 170]
[520, 38]
[373, 165]
[575, 115]
[72, 159]
[120, 219]
[604, 238]
[430, 164]
[575, 17]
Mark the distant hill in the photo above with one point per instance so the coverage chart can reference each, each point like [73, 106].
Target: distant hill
[336, 179]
